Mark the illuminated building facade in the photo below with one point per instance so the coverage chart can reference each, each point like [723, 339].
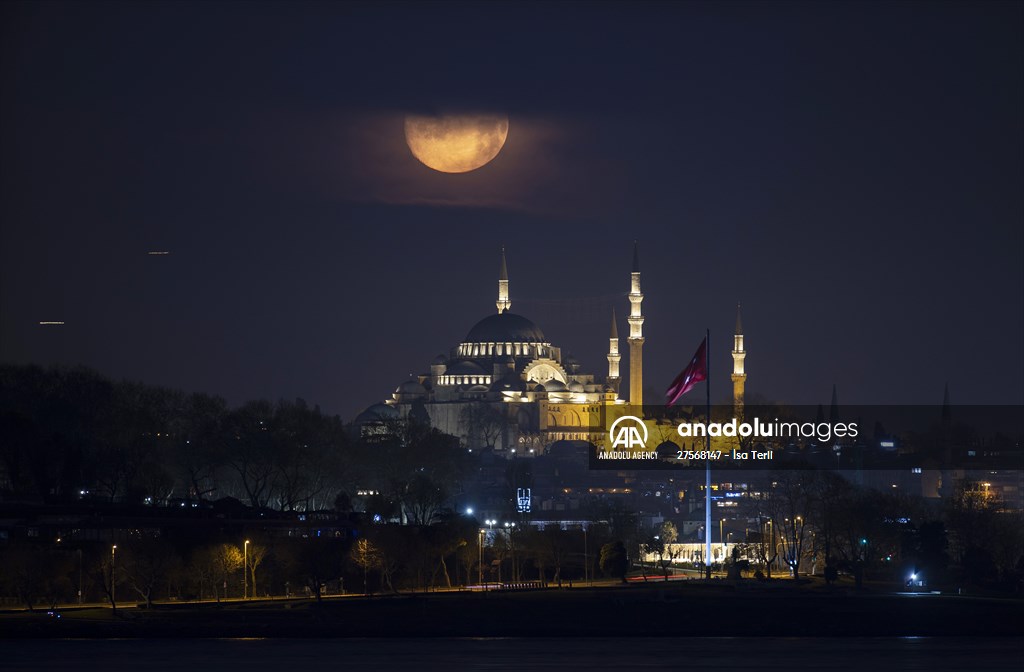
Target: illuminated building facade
[507, 387]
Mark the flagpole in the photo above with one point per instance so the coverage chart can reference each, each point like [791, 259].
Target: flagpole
[707, 472]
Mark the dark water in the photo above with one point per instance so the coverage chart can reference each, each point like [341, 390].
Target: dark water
[529, 654]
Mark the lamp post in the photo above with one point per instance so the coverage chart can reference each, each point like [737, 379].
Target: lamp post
[511, 548]
[491, 526]
[113, 583]
[798, 522]
[245, 570]
[512, 541]
[480, 560]
[79, 576]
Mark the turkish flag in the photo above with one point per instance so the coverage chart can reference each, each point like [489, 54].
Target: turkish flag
[695, 371]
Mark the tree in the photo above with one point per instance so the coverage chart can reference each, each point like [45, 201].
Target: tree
[791, 501]
[484, 424]
[393, 551]
[256, 555]
[223, 560]
[201, 439]
[831, 495]
[35, 573]
[446, 539]
[663, 545]
[971, 517]
[366, 557]
[146, 562]
[108, 575]
[423, 500]
[614, 561]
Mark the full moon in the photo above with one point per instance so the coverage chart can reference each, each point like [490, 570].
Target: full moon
[456, 143]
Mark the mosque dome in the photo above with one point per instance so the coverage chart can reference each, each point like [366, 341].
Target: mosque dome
[505, 327]
[377, 413]
[555, 385]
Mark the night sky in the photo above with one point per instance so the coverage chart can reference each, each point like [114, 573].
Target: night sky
[852, 173]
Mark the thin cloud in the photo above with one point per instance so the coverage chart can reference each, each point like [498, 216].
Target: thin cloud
[544, 167]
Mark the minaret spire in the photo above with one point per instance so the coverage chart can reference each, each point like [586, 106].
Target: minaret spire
[613, 356]
[503, 302]
[636, 334]
[739, 374]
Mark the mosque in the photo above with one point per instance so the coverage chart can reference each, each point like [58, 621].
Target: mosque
[506, 388]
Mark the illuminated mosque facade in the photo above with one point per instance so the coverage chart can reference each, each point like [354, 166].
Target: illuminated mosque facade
[506, 387]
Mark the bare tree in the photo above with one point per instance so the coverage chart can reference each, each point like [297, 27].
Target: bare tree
[794, 499]
[256, 555]
[145, 563]
[485, 424]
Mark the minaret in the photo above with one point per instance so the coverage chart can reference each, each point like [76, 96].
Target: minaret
[503, 303]
[739, 374]
[613, 356]
[636, 334]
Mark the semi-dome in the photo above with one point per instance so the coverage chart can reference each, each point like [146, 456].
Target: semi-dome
[575, 386]
[505, 327]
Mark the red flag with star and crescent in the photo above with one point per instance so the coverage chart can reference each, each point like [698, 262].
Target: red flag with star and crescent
[696, 371]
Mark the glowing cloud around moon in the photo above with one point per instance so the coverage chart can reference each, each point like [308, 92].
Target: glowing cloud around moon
[456, 143]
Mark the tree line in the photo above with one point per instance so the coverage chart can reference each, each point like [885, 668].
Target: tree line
[68, 434]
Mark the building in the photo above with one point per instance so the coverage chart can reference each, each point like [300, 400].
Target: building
[506, 387]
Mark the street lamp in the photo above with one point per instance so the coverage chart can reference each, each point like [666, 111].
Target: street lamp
[113, 583]
[245, 570]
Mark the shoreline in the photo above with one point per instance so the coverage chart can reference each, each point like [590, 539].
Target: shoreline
[672, 610]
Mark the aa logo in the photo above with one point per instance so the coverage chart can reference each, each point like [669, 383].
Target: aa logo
[628, 432]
